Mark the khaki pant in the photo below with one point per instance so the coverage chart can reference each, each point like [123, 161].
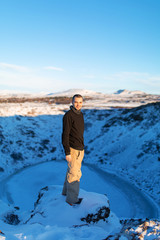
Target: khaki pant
[73, 175]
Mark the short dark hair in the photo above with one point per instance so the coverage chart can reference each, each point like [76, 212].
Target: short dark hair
[76, 96]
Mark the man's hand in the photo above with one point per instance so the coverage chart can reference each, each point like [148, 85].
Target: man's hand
[68, 158]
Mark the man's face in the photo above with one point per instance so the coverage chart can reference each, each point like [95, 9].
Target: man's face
[77, 103]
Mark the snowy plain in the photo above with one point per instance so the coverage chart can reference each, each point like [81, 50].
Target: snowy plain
[121, 161]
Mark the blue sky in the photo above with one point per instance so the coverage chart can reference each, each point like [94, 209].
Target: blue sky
[99, 45]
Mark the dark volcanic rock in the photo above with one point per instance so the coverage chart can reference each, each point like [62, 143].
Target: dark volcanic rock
[102, 214]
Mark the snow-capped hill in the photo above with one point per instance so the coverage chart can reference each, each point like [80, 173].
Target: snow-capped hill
[71, 92]
[127, 92]
[11, 93]
[20, 94]
[67, 93]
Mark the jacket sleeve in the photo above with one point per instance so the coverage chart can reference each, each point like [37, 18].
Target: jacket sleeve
[67, 124]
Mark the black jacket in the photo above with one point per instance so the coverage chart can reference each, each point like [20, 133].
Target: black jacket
[73, 129]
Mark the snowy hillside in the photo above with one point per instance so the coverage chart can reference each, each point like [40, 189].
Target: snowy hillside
[127, 142]
[123, 141]
[125, 92]
[83, 92]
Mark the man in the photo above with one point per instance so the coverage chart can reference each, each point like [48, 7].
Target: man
[73, 143]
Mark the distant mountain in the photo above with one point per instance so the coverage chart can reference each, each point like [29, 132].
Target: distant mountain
[68, 93]
[127, 92]
[71, 92]
[20, 94]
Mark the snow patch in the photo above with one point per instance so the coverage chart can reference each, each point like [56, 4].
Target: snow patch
[53, 218]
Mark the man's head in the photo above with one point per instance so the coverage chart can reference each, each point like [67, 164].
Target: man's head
[77, 101]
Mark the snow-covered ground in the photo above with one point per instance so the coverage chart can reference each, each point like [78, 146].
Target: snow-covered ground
[22, 190]
[121, 141]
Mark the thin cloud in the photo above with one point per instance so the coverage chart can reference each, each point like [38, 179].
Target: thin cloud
[141, 80]
[30, 81]
[151, 81]
[128, 76]
[54, 68]
[124, 75]
[13, 67]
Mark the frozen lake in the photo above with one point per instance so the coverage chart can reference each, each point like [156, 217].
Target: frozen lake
[21, 189]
